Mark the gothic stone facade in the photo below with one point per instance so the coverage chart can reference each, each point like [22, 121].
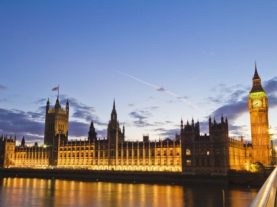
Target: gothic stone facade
[189, 153]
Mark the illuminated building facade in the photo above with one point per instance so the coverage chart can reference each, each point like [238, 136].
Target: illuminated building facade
[258, 108]
[189, 153]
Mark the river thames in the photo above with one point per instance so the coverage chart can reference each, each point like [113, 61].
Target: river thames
[26, 192]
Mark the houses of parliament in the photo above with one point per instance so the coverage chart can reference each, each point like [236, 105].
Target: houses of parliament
[188, 153]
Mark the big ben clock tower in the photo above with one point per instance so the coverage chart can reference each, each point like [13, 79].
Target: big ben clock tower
[258, 108]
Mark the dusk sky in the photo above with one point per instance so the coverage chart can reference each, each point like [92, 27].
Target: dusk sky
[160, 60]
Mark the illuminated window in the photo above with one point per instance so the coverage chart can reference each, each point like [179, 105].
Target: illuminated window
[188, 162]
[188, 152]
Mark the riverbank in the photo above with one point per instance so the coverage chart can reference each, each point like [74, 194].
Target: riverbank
[233, 178]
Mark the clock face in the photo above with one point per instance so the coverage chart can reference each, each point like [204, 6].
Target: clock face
[257, 103]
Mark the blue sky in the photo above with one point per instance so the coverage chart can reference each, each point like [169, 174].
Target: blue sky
[160, 60]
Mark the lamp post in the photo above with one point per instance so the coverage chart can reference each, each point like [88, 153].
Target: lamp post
[272, 147]
[275, 156]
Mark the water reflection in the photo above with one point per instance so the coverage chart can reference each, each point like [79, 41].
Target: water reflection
[27, 192]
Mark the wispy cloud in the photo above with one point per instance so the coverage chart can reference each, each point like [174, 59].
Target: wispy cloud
[237, 103]
[223, 93]
[82, 111]
[21, 123]
[141, 118]
[168, 133]
[3, 100]
[31, 123]
[2, 87]
[159, 89]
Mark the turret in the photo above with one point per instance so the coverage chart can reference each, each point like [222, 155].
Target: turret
[92, 135]
[114, 114]
[57, 105]
[23, 142]
[47, 105]
[190, 131]
[222, 119]
[219, 131]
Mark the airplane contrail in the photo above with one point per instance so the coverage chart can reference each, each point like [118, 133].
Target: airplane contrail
[139, 80]
[159, 89]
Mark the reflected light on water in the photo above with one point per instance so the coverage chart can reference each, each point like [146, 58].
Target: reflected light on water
[27, 192]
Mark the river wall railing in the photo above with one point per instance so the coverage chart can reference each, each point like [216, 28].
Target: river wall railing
[266, 196]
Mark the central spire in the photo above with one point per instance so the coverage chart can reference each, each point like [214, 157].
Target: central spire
[113, 104]
[114, 114]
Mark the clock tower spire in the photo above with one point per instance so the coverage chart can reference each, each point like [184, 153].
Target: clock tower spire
[258, 108]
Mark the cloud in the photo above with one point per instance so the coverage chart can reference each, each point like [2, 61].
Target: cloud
[237, 130]
[227, 94]
[237, 104]
[80, 129]
[182, 97]
[161, 123]
[3, 100]
[168, 133]
[20, 123]
[161, 89]
[82, 111]
[152, 108]
[41, 101]
[2, 87]
[101, 133]
[140, 118]
[232, 109]
[79, 110]
[238, 101]
[31, 123]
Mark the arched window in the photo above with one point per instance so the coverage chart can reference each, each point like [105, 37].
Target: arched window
[188, 152]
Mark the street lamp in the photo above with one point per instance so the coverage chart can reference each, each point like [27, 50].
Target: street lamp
[273, 148]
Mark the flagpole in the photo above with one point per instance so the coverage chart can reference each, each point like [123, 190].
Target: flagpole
[58, 91]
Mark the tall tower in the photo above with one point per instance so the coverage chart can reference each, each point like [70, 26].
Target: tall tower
[56, 123]
[258, 108]
[115, 137]
[92, 135]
